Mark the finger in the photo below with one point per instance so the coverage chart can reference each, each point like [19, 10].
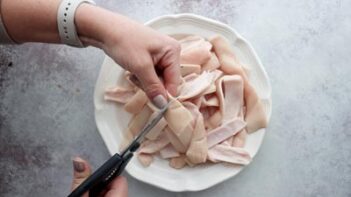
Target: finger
[171, 76]
[81, 171]
[118, 188]
[152, 86]
[171, 70]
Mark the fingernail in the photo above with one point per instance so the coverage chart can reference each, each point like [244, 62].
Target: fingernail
[78, 166]
[159, 101]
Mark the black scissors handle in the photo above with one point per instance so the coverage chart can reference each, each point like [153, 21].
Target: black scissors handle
[96, 190]
[103, 176]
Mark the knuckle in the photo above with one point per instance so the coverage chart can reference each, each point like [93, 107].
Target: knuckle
[153, 89]
[77, 181]
[140, 66]
[176, 46]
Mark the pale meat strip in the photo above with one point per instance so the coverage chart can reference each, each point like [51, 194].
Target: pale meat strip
[214, 120]
[224, 131]
[210, 89]
[230, 95]
[177, 144]
[193, 109]
[210, 101]
[211, 64]
[136, 103]
[197, 86]
[229, 154]
[157, 129]
[169, 152]
[129, 83]
[127, 139]
[197, 101]
[188, 162]
[197, 151]
[153, 146]
[186, 69]
[177, 162]
[179, 121]
[190, 77]
[187, 41]
[119, 94]
[145, 159]
[240, 138]
[255, 114]
[139, 120]
[195, 52]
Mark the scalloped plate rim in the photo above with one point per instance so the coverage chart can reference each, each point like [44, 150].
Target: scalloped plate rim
[199, 19]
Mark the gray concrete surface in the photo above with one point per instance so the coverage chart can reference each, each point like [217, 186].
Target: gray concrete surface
[46, 102]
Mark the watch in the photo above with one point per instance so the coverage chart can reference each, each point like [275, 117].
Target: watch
[65, 21]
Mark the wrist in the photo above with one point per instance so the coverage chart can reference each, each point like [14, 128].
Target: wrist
[94, 25]
[87, 26]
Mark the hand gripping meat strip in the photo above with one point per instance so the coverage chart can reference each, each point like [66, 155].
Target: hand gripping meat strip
[216, 98]
[255, 115]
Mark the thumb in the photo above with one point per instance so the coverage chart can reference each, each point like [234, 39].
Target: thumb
[153, 86]
[81, 171]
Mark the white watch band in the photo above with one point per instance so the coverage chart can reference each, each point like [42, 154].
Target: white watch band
[65, 21]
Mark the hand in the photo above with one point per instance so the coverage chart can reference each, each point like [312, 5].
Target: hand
[82, 170]
[137, 48]
[143, 51]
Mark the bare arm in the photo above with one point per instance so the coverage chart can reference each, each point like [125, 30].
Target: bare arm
[135, 47]
[36, 21]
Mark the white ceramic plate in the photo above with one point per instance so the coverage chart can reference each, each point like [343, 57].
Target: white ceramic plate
[112, 120]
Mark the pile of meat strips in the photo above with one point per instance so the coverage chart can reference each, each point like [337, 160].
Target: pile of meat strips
[216, 108]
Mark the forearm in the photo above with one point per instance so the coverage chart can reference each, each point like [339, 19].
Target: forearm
[31, 20]
[133, 46]
[36, 21]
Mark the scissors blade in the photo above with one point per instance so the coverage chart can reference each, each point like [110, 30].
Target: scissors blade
[147, 128]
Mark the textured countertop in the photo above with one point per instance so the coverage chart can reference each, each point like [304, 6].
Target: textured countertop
[47, 116]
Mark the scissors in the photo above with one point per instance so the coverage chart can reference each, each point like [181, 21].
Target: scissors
[113, 167]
